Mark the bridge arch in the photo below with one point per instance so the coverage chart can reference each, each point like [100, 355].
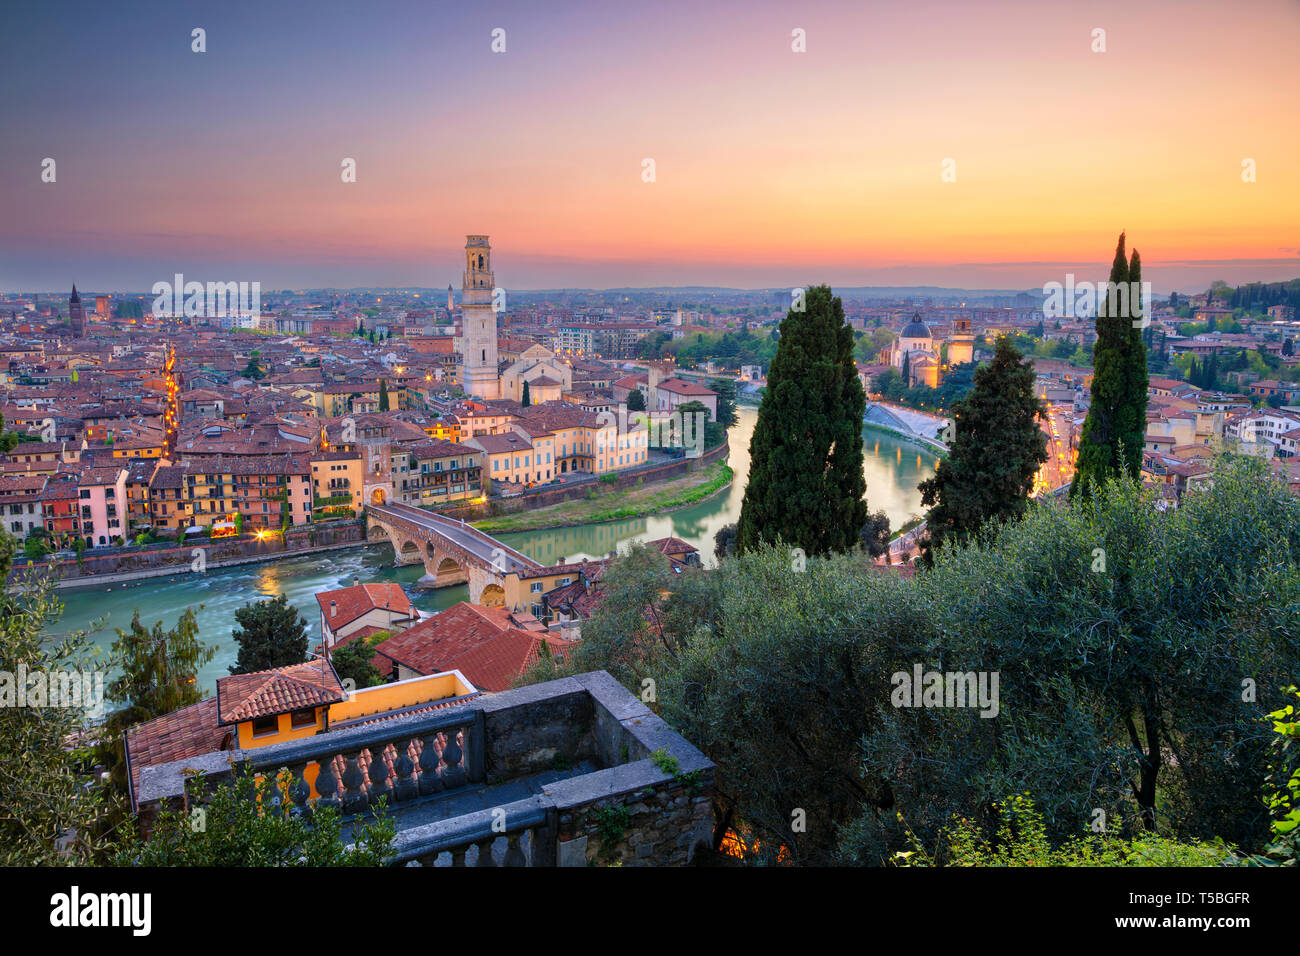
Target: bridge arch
[452, 552]
[446, 571]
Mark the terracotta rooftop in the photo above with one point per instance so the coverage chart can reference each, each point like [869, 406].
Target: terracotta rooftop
[487, 645]
[187, 732]
[351, 603]
[262, 693]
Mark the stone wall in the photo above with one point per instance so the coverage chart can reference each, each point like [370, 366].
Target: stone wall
[658, 826]
[162, 559]
[527, 731]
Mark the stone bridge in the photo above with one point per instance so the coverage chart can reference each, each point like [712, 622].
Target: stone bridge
[452, 551]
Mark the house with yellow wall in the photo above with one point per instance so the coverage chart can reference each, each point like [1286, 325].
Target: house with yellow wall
[283, 704]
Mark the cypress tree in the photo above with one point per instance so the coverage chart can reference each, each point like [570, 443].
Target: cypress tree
[1117, 415]
[383, 395]
[997, 449]
[1133, 420]
[806, 483]
[526, 399]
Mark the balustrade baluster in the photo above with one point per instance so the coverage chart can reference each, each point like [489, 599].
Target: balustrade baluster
[407, 786]
[327, 785]
[453, 774]
[354, 797]
[514, 852]
[458, 855]
[485, 852]
[300, 791]
[430, 780]
[378, 774]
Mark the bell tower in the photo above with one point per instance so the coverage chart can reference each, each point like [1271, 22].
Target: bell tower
[478, 339]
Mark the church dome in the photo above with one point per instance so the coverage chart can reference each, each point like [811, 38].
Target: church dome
[916, 329]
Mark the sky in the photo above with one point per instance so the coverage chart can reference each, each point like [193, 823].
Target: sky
[771, 167]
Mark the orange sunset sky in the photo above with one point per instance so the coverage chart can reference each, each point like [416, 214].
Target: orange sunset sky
[773, 168]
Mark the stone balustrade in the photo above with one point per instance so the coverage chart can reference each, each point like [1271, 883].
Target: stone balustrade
[575, 771]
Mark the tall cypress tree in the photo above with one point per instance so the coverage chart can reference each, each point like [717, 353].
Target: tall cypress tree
[1137, 379]
[383, 395]
[1117, 415]
[998, 448]
[526, 398]
[806, 484]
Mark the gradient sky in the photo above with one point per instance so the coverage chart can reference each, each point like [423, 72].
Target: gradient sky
[773, 168]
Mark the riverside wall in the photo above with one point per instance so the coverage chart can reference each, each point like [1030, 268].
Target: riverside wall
[157, 560]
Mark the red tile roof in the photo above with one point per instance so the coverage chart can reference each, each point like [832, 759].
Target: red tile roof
[351, 603]
[278, 691]
[188, 732]
[485, 644]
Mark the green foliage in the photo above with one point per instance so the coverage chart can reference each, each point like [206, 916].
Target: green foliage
[806, 484]
[270, 633]
[254, 369]
[527, 398]
[1120, 687]
[251, 822]
[1021, 840]
[383, 395]
[352, 661]
[875, 534]
[636, 400]
[726, 400]
[611, 824]
[1282, 791]
[724, 542]
[999, 446]
[43, 792]
[36, 545]
[1112, 438]
[157, 673]
[665, 762]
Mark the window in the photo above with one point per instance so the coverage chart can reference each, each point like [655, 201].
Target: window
[266, 725]
[537, 587]
[303, 718]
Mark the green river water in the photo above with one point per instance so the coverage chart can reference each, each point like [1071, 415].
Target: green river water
[893, 470]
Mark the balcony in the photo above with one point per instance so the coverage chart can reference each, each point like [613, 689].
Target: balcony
[568, 773]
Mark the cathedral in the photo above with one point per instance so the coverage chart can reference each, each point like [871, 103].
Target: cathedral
[482, 374]
[916, 354]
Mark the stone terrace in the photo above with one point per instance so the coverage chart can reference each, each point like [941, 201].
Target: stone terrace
[572, 772]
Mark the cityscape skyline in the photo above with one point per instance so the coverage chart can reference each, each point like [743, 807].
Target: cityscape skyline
[772, 168]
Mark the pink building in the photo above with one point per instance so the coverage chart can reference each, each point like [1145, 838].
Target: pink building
[103, 505]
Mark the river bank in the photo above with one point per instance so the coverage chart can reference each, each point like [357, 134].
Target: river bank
[929, 444]
[608, 504]
[118, 565]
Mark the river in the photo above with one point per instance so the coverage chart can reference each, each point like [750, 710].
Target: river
[893, 469]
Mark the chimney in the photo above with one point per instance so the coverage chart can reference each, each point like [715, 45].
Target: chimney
[356, 580]
[334, 609]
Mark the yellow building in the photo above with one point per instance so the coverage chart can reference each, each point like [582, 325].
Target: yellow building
[337, 484]
[272, 707]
